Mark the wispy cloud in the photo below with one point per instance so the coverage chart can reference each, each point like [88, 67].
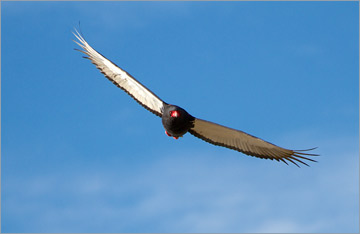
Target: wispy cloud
[190, 192]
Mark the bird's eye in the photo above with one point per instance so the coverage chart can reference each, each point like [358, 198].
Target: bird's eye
[174, 114]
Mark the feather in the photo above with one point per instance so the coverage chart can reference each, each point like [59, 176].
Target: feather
[121, 78]
[238, 140]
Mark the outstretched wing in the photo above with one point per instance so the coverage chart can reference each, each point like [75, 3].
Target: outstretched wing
[245, 143]
[121, 78]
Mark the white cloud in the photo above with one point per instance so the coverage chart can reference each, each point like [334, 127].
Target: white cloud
[192, 192]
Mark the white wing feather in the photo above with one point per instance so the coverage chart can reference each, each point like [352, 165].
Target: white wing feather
[121, 78]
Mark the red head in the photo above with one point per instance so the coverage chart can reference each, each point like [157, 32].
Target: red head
[174, 114]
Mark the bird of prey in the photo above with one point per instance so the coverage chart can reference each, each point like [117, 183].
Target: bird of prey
[178, 121]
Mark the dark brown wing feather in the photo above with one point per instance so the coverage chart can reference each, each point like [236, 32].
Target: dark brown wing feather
[245, 143]
[121, 78]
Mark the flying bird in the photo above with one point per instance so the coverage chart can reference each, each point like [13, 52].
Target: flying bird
[178, 121]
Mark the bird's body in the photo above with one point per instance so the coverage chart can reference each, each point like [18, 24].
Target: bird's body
[178, 121]
[179, 125]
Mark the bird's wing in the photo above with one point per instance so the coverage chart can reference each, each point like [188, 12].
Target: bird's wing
[245, 143]
[121, 78]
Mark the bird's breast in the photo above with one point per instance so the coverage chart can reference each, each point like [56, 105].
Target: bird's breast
[177, 126]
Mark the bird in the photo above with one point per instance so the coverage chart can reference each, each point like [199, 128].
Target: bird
[177, 121]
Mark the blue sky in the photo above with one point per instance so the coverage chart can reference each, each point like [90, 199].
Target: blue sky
[79, 155]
